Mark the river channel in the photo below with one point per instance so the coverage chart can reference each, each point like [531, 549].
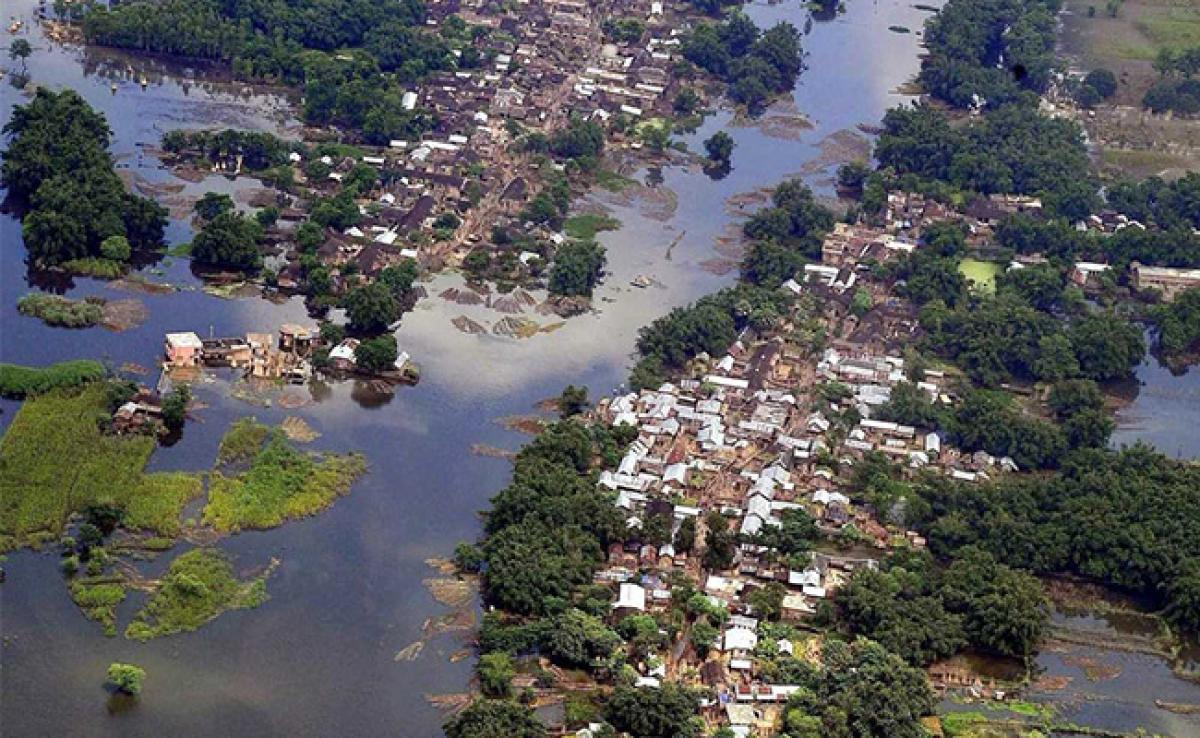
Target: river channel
[319, 658]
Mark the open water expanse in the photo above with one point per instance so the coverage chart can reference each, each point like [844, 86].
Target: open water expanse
[318, 659]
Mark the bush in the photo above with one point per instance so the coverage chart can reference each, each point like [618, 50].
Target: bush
[126, 677]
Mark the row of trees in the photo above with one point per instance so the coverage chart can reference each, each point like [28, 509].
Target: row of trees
[58, 168]
[757, 65]
[259, 150]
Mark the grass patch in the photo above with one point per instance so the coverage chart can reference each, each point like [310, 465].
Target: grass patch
[54, 460]
[22, 381]
[1175, 28]
[586, 226]
[157, 499]
[242, 442]
[613, 182]
[95, 267]
[61, 311]
[98, 597]
[982, 273]
[180, 250]
[198, 586]
[281, 484]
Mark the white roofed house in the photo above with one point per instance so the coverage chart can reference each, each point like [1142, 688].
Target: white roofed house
[631, 598]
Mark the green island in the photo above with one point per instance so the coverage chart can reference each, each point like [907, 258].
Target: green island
[108, 506]
[198, 586]
[62, 311]
[280, 484]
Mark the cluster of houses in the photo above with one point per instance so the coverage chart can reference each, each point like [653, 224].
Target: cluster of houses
[542, 63]
[260, 355]
[752, 436]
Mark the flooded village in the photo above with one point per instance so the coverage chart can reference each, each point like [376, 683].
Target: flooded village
[353, 638]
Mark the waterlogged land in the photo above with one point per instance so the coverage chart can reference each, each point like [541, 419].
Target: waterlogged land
[335, 644]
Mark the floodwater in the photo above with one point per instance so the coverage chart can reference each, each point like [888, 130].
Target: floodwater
[1164, 411]
[318, 658]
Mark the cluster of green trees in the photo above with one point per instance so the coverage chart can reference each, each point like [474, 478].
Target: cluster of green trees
[1156, 202]
[1179, 326]
[58, 168]
[382, 47]
[371, 308]
[1176, 90]
[259, 150]
[1098, 85]
[785, 235]
[991, 52]
[757, 65]
[708, 325]
[925, 613]
[1124, 519]
[1014, 149]
[578, 266]
[228, 240]
[860, 690]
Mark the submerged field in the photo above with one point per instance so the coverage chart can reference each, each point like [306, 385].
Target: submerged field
[55, 460]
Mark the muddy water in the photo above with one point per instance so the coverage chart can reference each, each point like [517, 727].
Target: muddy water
[318, 659]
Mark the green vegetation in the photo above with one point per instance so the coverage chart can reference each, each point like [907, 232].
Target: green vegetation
[785, 235]
[968, 39]
[353, 57]
[1179, 327]
[61, 311]
[57, 165]
[281, 483]
[1119, 518]
[242, 442]
[93, 266]
[229, 241]
[61, 431]
[198, 586]
[259, 150]
[377, 354]
[98, 597]
[757, 65]
[495, 719]
[157, 499]
[925, 614]
[126, 677]
[613, 182]
[577, 268]
[585, 226]
[23, 381]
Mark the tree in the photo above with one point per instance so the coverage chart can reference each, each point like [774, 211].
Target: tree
[572, 401]
[719, 542]
[767, 601]
[20, 49]
[115, 248]
[1103, 81]
[703, 636]
[495, 672]
[174, 407]
[377, 354]
[495, 719]
[577, 268]
[1106, 346]
[665, 712]
[126, 678]
[229, 241]
[213, 204]
[719, 147]
[575, 638]
[371, 308]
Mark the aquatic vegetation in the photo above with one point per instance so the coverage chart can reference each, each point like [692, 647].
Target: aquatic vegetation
[98, 597]
[21, 381]
[94, 266]
[157, 499]
[587, 225]
[242, 441]
[55, 460]
[126, 677]
[61, 311]
[198, 586]
[281, 484]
